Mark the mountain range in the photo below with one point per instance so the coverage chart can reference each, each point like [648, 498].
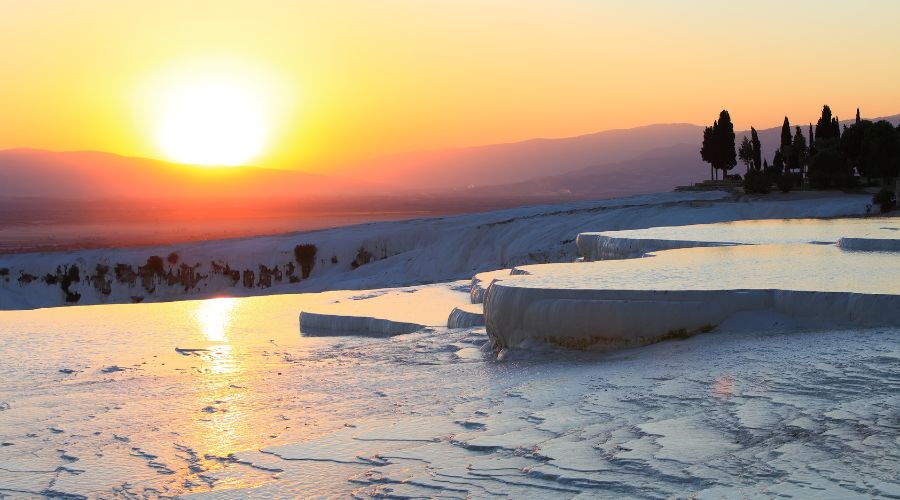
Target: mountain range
[604, 164]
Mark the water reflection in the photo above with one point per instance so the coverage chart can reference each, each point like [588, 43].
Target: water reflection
[214, 315]
[723, 387]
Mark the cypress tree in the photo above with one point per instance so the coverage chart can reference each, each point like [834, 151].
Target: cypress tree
[786, 141]
[757, 149]
[786, 133]
[707, 149]
[812, 141]
[799, 151]
[825, 124]
[728, 158]
[778, 162]
[745, 153]
[718, 145]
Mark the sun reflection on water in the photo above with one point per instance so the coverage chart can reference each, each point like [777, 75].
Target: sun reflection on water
[214, 315]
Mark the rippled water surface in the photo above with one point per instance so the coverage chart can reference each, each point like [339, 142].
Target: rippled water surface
[96, 401]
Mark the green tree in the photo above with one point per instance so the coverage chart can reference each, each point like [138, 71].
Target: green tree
[852, 146]
[881, 151]
[829, 169]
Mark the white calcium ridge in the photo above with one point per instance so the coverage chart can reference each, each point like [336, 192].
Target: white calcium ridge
[610, 319]
[481, 282]
[873, 233]
[674, 293]
[600, 246]
[325, 324]
[870, 244]
[466, 316]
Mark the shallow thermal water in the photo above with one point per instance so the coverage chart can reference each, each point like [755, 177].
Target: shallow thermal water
[771, 266]
[96, 401]
[772, 231]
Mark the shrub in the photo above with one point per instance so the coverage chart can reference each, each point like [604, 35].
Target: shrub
[885, 199]
[100, 280]
[249, 278]
[785, 182]
[172, 258]
[362, 257]
[71, 275]
[756, 181]
[125, 274]
[829, 169]
[155, 265]
[306, 257]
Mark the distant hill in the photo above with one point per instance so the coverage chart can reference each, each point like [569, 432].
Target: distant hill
[463, 168]
[653, 171]
[611, 163]
[532, 163]
[93, 175]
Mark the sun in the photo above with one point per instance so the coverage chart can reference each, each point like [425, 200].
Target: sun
[212, 123]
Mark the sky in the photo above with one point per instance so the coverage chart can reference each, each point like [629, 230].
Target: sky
[342, 81]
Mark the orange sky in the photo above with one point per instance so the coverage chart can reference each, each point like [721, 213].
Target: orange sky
[344, 81]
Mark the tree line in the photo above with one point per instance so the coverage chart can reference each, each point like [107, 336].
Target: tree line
[831, 157]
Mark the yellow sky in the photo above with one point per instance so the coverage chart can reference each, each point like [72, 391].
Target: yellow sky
[350, 80]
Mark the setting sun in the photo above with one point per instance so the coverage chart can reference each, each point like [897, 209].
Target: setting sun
[212, 123]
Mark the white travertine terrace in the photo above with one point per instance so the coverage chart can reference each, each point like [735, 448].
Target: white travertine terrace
[317, 324]
[466, 316]
[481, 282]
[385, 312]
[600, 246]
[883, 232]
[870, 244]
[692, 283]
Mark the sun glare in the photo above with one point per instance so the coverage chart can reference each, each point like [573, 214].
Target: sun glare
[213, 316]
[215, 123]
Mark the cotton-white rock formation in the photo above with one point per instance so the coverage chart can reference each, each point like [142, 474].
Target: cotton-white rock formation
[746, 281]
